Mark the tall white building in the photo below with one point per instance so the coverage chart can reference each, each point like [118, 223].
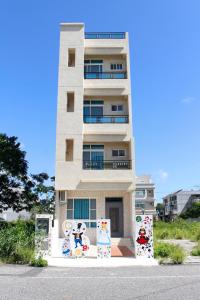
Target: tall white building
[95, 167]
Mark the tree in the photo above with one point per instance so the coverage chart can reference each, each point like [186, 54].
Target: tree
[160, 210]
[192, 212]
[15, 185]
[45, 194]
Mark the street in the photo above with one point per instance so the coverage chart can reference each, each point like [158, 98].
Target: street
[159, 282]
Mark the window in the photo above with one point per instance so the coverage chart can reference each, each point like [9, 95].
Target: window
[83, 209]
[118, 152]
[93, 156]
[117, 107]
[70, 102]
[93, 66]
[69, 150]
[71, 57]
[116, 66]
[139, 204]
[140, 193]
[92, 108]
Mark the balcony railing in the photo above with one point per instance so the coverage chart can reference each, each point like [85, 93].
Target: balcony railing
[106, 119]
[107, 164]
[105, 75]
[105, 35]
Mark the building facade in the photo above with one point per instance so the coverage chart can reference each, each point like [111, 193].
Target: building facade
[95, 173]
[144, 195]
[178, 202]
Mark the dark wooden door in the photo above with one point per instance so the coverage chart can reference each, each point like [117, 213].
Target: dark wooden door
[114, 212]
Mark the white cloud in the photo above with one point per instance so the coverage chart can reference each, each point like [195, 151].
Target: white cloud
[188, 100]
[163, 174]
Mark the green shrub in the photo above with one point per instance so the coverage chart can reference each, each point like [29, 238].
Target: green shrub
[39, 262]
[17, 240]
[174, 253]
[162, 250]
[196, 250]
[192, 212]
[177, 254]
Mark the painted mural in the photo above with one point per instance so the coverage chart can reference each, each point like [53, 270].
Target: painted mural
[66, 247]
[76, 243]
[144, 236]
[103, 239]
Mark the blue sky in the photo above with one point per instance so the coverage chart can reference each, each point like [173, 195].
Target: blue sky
[165, 51]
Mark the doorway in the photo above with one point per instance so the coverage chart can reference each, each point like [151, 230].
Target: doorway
[114, 212]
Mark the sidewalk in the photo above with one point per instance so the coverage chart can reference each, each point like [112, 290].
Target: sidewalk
[89, 262]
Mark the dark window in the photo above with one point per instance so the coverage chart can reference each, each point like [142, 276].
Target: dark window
[70, 101]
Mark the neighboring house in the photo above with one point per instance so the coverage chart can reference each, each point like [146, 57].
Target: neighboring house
[144, 195]
[10, 215]
[94, 144]
[178, 202]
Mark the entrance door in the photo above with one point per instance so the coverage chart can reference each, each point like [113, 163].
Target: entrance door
[114, 212]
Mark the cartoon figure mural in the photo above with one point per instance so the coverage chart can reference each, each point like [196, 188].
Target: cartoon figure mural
[144, 236]
[80, 242]
[66, 247]
[76, 243]
[103, 239]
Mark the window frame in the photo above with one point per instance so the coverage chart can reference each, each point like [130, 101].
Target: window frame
[138, 196]
[117, 107]
[116, 66]
[89, 63]
[91, 104]
[90, 223]
[118, 150]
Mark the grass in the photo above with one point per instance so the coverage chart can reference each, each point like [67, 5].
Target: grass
[179, 229]
[166, 252]
[17, 242]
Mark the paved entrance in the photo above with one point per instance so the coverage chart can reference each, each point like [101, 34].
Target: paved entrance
[121, 251]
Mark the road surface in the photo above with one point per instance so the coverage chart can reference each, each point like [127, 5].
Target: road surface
[159, 282]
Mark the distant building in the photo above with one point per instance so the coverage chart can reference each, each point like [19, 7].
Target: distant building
[10, 215]
[144, 195]
[178, 202]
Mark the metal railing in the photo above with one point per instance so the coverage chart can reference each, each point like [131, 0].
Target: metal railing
[105, 75]
[106, 119]
[105, 35]
[107, 164]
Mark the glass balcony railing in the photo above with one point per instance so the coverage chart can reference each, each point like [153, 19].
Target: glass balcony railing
[105, 35]
[106, 119]
[105, 75]
[107, 164]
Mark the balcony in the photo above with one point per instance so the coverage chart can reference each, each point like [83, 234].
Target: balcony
[113, 119]
[105, 75]
[105, 35]
[107, 165]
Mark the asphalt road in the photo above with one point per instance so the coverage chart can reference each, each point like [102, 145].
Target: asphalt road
[160, 282]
